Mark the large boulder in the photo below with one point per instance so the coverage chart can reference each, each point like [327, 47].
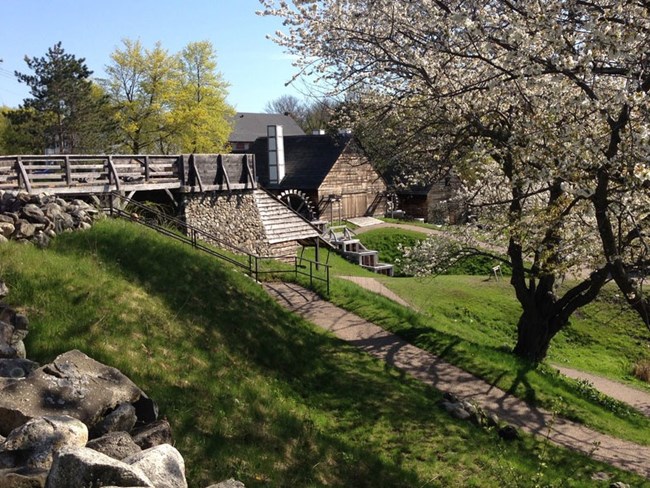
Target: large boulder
[87, 468]
[162, 464]
[37, 440]
[75, 385]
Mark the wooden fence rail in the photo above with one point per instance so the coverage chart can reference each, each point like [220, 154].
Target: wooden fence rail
[61, 174]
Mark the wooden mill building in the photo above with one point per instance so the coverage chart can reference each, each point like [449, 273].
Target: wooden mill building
[320, 176]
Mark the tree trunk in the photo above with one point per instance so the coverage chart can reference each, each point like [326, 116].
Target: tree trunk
[534, 334]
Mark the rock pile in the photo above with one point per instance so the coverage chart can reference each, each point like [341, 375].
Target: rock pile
[76, 422]
[38, 218]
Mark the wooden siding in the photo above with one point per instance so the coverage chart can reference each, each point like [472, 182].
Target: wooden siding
[354, 179]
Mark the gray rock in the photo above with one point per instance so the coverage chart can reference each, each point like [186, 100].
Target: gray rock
[34, 214]
[87, 468]
[23, 478]
[3, 239]
[24, 229]
[153, 434]
[16, 368]
[460, 413]
[73, 384]
[117, 445]
[40, 438]
[231, 483]
[7, 229]
[123, 418]
[6, 218]
[619, 484]
[162, 464]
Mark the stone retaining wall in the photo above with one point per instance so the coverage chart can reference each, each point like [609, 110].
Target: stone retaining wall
[234, 218]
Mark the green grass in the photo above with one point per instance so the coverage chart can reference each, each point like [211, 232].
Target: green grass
[470, 322]
[387, 242]
[252, 391]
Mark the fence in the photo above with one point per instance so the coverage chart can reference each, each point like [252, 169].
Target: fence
[74, 173]
[253, 265]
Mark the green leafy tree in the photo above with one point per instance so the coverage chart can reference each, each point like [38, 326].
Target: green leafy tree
[66, 111]
[140, 84]
[199, 111]
[168, 103]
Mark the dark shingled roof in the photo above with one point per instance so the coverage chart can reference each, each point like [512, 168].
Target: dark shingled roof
[250, 126]
[308, 160]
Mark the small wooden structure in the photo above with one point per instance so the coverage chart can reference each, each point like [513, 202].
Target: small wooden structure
[351, 248]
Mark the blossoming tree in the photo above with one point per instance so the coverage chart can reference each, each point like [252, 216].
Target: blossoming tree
[542, 106]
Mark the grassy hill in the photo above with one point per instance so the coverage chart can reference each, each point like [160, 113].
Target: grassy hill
[251, 391]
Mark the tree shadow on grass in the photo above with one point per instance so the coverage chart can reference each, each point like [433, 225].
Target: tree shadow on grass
[328, 415]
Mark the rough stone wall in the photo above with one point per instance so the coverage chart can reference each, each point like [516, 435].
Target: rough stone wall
[233, 218]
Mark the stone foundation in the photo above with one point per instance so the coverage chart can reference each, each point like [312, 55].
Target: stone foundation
[234, 219]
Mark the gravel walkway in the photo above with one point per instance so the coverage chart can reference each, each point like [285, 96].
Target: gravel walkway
[445, 377]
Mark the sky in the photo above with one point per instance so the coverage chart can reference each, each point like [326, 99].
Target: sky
[256, 68]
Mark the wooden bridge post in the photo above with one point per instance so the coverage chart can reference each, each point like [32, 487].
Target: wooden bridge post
[68, 172]
[22, 174]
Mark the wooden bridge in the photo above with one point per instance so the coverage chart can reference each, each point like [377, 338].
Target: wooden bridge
[100, 174]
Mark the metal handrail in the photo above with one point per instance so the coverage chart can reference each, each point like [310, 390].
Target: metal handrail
[194, 236]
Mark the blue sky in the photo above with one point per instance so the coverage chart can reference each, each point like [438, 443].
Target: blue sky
[255, 67]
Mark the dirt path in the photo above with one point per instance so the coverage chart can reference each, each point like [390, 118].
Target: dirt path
[634, 397]
[445, 377]
[377, 287]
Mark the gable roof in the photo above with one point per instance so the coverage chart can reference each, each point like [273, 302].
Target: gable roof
[308, 160]
[249, 126]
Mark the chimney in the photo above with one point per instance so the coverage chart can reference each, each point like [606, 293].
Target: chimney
[276, 153]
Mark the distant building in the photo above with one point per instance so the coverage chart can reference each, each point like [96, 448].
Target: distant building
[247, 127]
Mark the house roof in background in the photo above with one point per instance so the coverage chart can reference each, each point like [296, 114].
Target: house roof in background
[249, 126]
[308, 159]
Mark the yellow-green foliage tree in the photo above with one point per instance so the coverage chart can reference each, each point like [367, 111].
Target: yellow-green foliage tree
[140, 83]
[168, 102]
[199, 110]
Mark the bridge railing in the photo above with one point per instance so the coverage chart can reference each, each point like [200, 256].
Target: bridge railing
[77, 173]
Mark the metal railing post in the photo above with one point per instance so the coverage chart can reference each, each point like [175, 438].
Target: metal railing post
[328, 280]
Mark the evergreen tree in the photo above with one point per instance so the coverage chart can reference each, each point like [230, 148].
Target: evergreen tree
[66, 112]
